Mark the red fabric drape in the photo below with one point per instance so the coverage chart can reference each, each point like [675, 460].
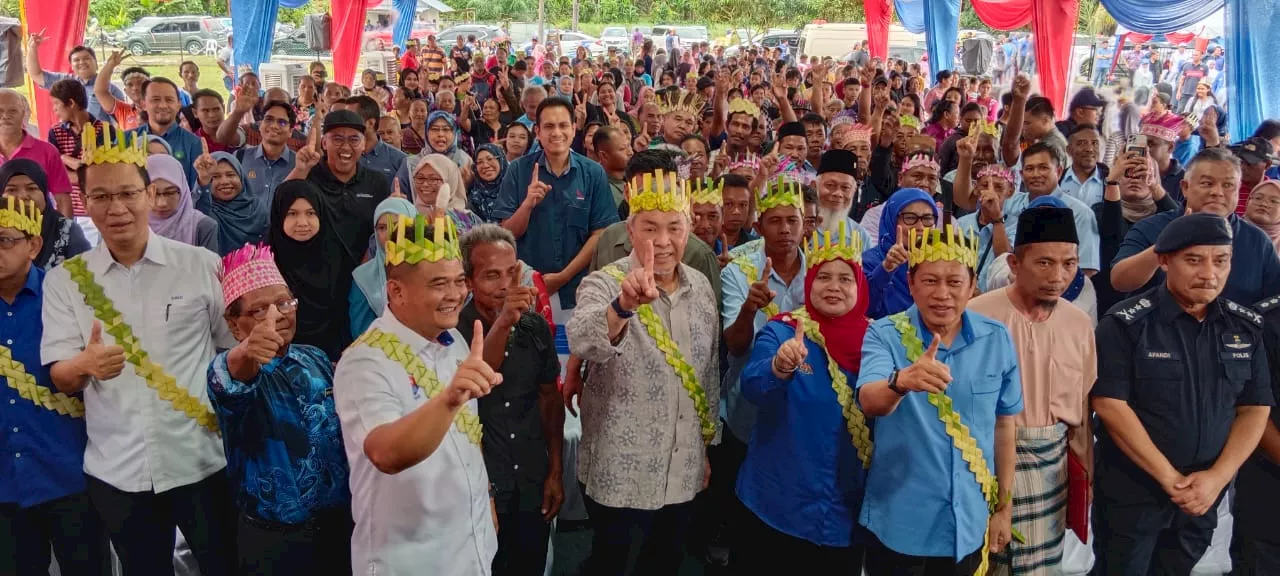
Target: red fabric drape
[1172, 37]
[1003, 14]
[1053, 23]
[63, 22]
[346, 37]
[879, 13]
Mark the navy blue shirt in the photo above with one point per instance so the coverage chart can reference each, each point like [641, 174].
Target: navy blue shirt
[282, 436]
[578, 204]
[1183, 378]
[186, 148]
[41, 451]
[384, 160]
[1255, 269]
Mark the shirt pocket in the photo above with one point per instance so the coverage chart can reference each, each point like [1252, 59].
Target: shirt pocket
[1157, 383]
[984, 396]
[577, 221]
[183, 321]
[1236, 374]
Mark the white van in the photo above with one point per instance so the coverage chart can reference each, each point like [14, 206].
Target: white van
[836, 40]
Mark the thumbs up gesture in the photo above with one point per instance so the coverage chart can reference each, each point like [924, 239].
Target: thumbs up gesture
[265, 342]
[639, 287]
[928, 374]
[791, 354]
[474, 378]
[519, 300]
[760, 295]
[100, 361]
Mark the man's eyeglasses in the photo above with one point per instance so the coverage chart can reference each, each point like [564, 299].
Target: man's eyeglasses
[284, 306]
[913, 219]
[280, 122]
[124, 196]
[338, 141]
[8, 242]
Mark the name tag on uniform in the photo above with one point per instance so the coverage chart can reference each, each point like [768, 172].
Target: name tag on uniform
[1159, 355]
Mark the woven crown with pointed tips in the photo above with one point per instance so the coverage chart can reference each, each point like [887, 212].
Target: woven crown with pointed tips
[658, 191]
[22, 216]
[744, 106]
[781, 192]
[824, 246]
[116, 147]
[705, 191]
[949, 245]
[411, 247]
[680, 100]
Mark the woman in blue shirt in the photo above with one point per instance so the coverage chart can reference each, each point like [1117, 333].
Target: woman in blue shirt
[803, 476]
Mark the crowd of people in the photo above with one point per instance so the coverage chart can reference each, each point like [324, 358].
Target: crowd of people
[821, 318]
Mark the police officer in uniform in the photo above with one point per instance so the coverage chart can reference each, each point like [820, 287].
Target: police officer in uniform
[1183, 395]
[1255, 542]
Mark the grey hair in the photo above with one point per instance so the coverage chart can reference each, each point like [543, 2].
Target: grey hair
[1216, 154]
[533, 91]
[481, 235]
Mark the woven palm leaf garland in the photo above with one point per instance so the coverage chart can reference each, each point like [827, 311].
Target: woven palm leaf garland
[19, 379]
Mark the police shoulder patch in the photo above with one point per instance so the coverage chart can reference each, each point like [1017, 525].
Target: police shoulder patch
[1243, 312]
[1265, 306]
[1129, 312]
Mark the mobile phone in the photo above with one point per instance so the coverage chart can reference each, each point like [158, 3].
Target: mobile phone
[1138, 144]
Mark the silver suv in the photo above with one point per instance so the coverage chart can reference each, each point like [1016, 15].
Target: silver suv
[172, 33]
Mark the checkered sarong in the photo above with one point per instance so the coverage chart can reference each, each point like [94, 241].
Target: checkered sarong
[1040, 500]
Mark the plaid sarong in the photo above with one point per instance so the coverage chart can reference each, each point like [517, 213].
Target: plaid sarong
[1040, 500]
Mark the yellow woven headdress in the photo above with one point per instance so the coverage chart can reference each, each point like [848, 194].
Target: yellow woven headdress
[781, 192]
[403, 248]
[744, 106]
[823, 246]
[116, 147]
[949, 245]
[655, 191]
[21, 216]
[705, 191]
[680, 100]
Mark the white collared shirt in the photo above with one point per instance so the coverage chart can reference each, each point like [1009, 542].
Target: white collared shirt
[434, 517]
[172, 300]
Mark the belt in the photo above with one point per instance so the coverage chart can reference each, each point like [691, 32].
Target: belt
[318, 521]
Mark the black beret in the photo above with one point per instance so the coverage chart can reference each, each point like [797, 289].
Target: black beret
[1201, 229]
[837, 160]
[1046, 224]
[791, 129]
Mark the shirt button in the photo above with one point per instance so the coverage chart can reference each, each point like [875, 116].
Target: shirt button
[517, 466]
[11, 401]
[512, 436]
[504, 404]
[17, 455]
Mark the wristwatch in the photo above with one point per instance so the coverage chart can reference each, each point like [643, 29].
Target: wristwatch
[620, 311]
[1113, 182]
[893, 384]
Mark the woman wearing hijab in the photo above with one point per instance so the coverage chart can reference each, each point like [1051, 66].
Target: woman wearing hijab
[368, 296]
[885, 262]
[314, 263]
[811, 441]
[1263, 209]
[436, 184]
[442, 141]
[25, 180]
[173, 215]
[491, 167]
[242, 218]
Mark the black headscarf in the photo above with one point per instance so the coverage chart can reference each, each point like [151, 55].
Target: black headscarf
[318, 271]
[62, 237]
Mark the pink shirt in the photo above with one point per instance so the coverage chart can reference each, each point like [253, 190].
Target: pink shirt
[44, 154]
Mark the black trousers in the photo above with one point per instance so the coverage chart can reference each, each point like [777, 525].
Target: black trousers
[68, 524]
[1151, 539]
[718, 507]
[881, 561]
[522, 544]
[765, 551]
[662, 533]
[141, 525]
[1255, 538]
[320, 546]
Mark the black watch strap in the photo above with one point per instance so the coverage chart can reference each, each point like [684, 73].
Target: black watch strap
[620, 311]
[893, 384]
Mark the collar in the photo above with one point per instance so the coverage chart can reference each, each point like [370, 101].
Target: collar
[259, 153]
[27, 142]
[35, 280]
[1167, 308]
[970, 329]
[378, 149]
[1070, 176]
[328, 176]
[99, 260]
[413, 340]
[541, 159]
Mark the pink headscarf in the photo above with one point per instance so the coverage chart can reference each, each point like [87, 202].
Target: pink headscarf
[1272, 230]
[181, 225]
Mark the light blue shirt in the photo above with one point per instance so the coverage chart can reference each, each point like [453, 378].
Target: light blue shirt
[1089, 191]
[93, 107]
[384, 159]
[850, 224]
[264, 174]
[915, 467]
[736, 411]
[1086, 229]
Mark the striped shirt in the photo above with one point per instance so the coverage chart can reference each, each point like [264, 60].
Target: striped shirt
[433, 60]
[66, 138]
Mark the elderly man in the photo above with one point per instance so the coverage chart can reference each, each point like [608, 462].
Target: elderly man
[647, 324]
[1183, 395]
[133, 324]
[1058, 363]
[84, 69]
[16, 142]
[837, 186]
[421, 498]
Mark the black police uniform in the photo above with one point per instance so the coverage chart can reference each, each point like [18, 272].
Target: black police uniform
[1255, 542]
[1184, 379]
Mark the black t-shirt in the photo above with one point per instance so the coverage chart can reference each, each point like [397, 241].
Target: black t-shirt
[351, 204]
[1193, 73]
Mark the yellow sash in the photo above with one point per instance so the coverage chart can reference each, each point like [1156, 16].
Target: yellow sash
[19, 379]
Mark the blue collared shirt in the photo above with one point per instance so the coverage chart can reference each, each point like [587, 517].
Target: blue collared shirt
[94, 108]
[186, 148]
[739, 414]
[282, 436]
[265, 174]
[1089, 191]
[802, 475]
[385, 160]
[41, 451]
[578, 204]
[1086, 230]
[915, 467]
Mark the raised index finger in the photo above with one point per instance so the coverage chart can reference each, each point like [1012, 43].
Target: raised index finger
[204, 147]
[477, 342]
[768, 270]
[646, 256]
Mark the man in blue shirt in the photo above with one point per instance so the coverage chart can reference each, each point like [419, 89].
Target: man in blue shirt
[1102, 60]
[378, 155]
[1211, 184]
[274, 402]
[557, 203]
[42, 434]
[84, 68]
[267, 164]
[1086, 178]
[934, 363]
[161, 96]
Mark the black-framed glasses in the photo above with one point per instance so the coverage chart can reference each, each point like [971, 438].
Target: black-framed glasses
[284, 306]
[909, 219]
[124, 196]
[8, 242]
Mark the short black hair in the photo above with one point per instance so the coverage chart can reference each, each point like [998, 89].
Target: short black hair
[1006, 99]
[1269, 129]
[730, 180]
[813, 119]
[366, 107]
[185, 63]
[84, 168]
[809, 193]
[1084, 128]
[1039, 106]
[288, 110]
[698, 138]
[553, 102]
[1043, 148]
[70, 91]
[134, 70]
[650, 161]
[602, 136]
[81, 48]
[502, 132]
[971, 107]
[942, 75]
[205, 93]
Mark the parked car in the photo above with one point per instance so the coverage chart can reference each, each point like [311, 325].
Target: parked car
[485, 32]
[172, 33]
[569, 42]
[295, 43]
[616, 37]
[383, 39]
[686, 34]
[771, 39]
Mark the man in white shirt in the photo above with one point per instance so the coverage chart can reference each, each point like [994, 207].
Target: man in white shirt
[133, 324]
[406, 395]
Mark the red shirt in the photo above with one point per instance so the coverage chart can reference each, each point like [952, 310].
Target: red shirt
[49, 159]
[1245, 189]
[408, 61]
[214, 145]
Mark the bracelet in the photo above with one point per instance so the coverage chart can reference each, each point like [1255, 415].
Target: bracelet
[619, 310]
[1113, 182]
[775, 367]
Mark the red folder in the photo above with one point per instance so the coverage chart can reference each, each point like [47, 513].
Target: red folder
[1077, 497]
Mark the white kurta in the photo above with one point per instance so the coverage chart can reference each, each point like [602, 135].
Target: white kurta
[434, 517]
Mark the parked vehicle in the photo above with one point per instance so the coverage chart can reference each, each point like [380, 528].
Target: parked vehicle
[382, 39]
[686, 34]
[152, 34]
[569, 42]
[296, 44]
[835, 40]
[483, 32]
[771, 39]
[616, 37]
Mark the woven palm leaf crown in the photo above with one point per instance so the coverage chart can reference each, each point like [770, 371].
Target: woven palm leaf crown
[22, 216]
[411, 247]
[949, 245]
[824, 246]
[781, 192]
[681, 100]
[705, 191]
[114, 147]
[658, 191]
[744, 106]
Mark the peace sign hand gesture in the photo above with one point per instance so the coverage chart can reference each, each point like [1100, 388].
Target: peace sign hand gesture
[927, 374]
[792, 353]
[897, 254]
[474, 378]
[639, 287]
[204, 164]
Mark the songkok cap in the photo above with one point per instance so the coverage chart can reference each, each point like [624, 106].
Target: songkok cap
[1200, 229]
[1046, 223]
[791, 129]
[838, 160]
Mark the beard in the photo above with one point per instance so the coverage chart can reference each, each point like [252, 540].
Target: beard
[1046, 304]
[831, 218]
